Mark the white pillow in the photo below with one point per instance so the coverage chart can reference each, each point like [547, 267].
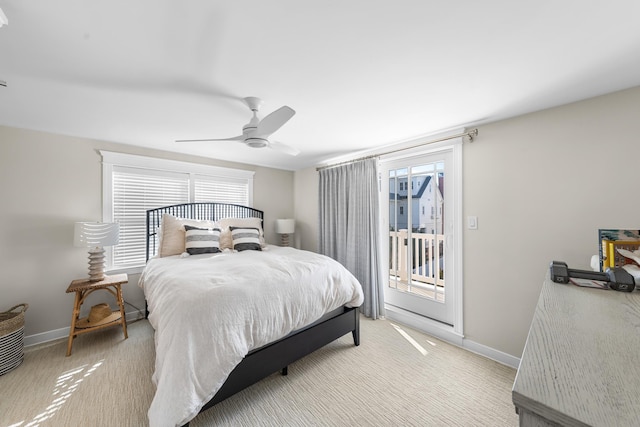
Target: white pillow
[226, 241]
[173, 234]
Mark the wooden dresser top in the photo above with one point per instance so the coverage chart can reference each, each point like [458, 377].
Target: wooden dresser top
[581, 362]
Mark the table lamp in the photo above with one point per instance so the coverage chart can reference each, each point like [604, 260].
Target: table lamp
[284, 227]
[96, 235]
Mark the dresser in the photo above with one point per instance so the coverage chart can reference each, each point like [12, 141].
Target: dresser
[581, 362]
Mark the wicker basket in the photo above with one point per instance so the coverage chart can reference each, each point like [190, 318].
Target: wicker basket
[12, 338]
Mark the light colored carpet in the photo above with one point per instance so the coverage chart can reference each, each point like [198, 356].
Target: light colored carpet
[397, 376]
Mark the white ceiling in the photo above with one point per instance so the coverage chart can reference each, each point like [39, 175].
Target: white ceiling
[359, 73]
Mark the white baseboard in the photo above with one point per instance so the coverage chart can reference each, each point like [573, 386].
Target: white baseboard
[492, 353]
[43, 337]
[57, 334]
[446, 333]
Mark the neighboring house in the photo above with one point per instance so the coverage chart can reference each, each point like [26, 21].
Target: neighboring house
[426, 204]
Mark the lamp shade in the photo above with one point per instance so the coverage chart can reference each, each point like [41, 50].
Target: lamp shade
[285, 226]
[96, 234]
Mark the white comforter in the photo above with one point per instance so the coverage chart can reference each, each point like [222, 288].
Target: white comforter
[209, 311]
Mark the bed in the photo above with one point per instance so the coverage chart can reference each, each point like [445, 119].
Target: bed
[265, 322]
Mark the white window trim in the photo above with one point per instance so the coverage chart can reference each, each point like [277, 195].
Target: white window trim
[111, 159]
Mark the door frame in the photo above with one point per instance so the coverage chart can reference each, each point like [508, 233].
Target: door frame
[455, 332]
[432, 307]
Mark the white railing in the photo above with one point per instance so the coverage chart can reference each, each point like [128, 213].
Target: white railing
[428, 257]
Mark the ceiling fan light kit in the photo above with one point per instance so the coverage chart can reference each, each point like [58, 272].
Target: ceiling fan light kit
[256, 133]
[256, 142]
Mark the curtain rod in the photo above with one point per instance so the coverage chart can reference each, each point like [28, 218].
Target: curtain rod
[471, 134]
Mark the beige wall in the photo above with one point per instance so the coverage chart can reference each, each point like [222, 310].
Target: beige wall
[48, 182]
[541, 185]
[306, 209]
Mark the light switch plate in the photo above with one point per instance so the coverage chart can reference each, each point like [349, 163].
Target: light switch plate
[472, 222]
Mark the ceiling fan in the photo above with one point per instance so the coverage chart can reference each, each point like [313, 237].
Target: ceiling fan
[256, 133]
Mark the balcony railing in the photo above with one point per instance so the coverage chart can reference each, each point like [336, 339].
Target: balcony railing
[428, 257]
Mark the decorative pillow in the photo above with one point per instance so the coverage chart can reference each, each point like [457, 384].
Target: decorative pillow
[225, 238]
[201, 240]
[172, 233]
[245, 239]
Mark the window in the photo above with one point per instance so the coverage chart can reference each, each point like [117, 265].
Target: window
[133, 184]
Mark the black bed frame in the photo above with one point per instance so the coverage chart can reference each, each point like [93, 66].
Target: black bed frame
[273, 357]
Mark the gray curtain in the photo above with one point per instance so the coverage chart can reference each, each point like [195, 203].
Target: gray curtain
[349, 229]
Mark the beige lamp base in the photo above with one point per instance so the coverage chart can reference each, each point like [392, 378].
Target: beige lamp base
[96, 264]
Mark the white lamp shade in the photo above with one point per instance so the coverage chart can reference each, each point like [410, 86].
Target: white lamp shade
[96, 234]
[285, 226]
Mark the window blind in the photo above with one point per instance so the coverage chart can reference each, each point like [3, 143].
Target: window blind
[221, 189]
[137, 189]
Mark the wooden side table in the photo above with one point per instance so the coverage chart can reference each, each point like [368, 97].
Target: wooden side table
[83, 288]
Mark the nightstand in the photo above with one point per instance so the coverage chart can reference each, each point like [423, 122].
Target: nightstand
[83, 288]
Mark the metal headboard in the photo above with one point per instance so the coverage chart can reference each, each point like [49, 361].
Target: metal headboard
[203, 210]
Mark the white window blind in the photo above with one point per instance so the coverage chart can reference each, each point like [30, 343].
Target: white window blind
[219, 189]
[133, 184]
[135, 191]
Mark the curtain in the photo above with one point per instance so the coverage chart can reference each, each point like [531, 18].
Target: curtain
[349, 226]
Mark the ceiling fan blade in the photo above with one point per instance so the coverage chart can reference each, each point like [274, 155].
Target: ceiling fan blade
[283, 148]
[274, 121]
[235, 138]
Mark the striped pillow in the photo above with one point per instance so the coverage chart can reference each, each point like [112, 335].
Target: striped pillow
[201, 240]
[245, 239]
